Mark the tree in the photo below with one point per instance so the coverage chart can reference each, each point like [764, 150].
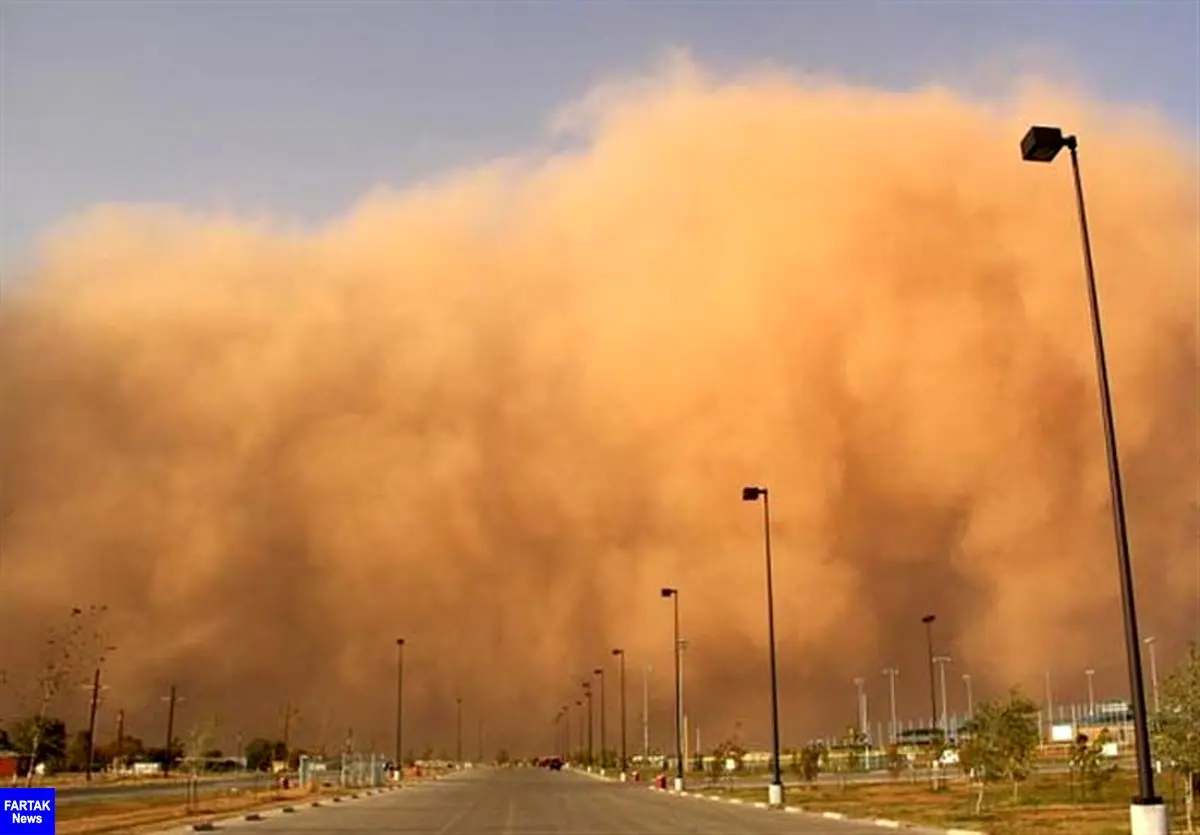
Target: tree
[1088, 763]
[5, 742]
[40, 739]
[502, 757]
[259, 754]
[64, 651]
[77, 751]
[813, 757]
[1176, 727]
[164, 757]
[1002, 742]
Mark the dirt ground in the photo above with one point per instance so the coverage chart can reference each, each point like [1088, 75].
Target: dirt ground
[1046, 805]
[144, 815]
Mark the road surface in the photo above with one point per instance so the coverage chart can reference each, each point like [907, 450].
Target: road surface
[529, 801]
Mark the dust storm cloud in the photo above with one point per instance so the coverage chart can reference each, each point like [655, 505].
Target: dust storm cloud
[495, 413]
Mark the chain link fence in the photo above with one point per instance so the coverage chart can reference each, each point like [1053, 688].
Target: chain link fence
[349, 771]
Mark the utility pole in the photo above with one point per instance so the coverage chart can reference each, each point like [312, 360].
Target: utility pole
[891, 673]
[289, 713]
[91, 748]
[970, 696]
[479, 742]
[171, 700]
[1091, 675]
[120, 735]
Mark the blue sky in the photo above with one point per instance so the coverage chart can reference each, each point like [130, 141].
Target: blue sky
[298, 108]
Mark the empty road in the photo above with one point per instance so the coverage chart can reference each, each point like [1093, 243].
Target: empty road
[527, 801]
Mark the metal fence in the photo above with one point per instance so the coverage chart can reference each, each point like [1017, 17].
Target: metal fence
[358, 771]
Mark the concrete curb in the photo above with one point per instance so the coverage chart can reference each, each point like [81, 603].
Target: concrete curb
[248, 817]
[883, 823]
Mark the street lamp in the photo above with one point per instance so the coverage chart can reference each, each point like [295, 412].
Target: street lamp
[674, 595]
[1091, 681]
[966, 677]
[579, 710]
[775, 790]
[620, 653]
[399, 708]
[1147, 812]
[599, 671]
[591, 749]
[928, 621]
[458, 733]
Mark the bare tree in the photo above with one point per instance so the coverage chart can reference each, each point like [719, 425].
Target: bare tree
[67, 650]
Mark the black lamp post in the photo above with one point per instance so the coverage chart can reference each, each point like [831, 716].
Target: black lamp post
[399, 708]
[599, 672]
[775, 790]
[591, 749]
[620, 653]
[1148, 815]
[928, 621]
[673, 594]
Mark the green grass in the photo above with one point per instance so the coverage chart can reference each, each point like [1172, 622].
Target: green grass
[1046, 804]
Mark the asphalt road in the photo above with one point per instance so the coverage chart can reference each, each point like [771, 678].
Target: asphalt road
[528, 801]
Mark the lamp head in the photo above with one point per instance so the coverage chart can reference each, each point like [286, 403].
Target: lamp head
[751, 494]
[668, 592]
[618, 652]
[1042, 143]
[929, 619]
[399, 642]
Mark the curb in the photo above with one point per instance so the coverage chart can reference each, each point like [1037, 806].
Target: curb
[240, 819]
[883, 823]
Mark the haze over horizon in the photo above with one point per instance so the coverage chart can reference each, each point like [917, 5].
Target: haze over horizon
[495, 412]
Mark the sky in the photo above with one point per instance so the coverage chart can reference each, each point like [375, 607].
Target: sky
[298, 109]
[500, 411]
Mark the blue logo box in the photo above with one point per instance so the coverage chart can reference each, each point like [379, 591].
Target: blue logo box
[28, 811]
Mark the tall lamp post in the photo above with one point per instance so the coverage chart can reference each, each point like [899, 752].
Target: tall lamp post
[673, 594]
[1147, 812]
[458, 732]
[599, 673]
[579, 710]
[620, 653]
[942, 661]
[399, 709]
[591, 749]
[928, 621]
[775, 790]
